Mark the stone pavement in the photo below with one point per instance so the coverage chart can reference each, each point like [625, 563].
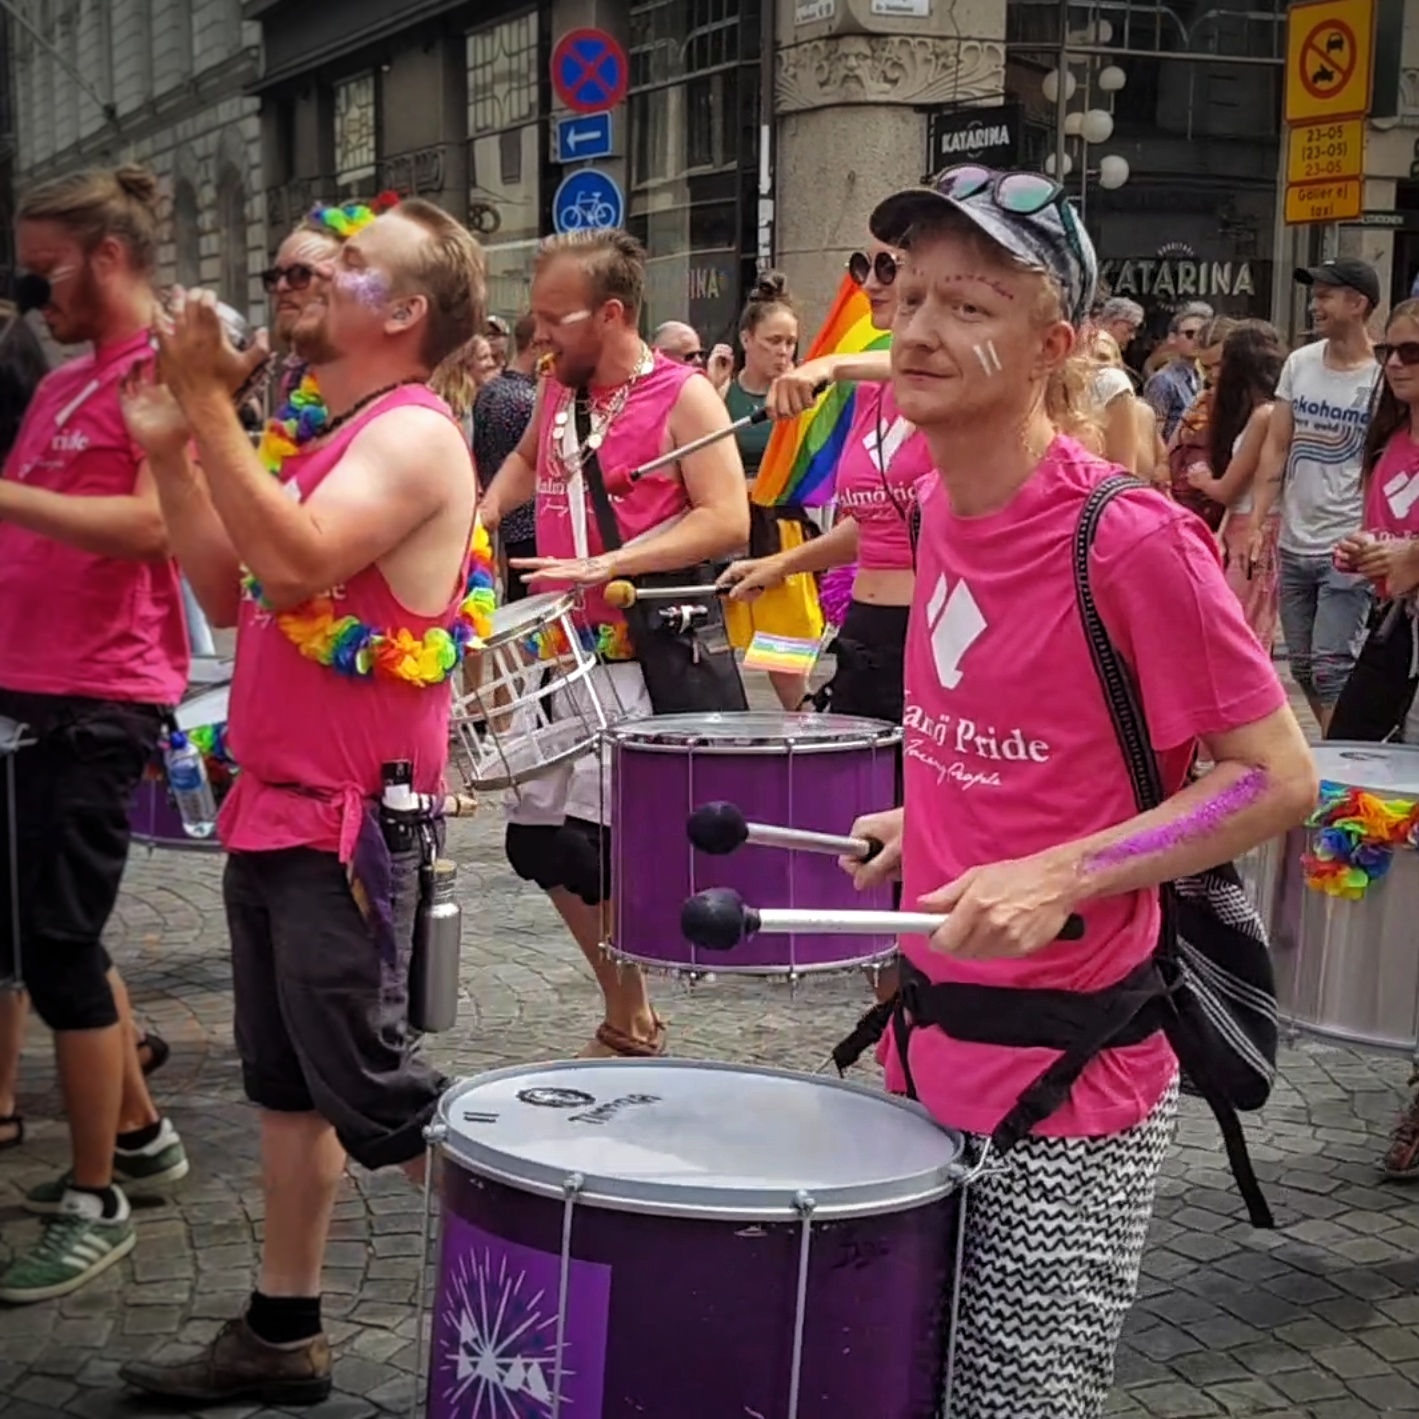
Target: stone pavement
[1318, 1319]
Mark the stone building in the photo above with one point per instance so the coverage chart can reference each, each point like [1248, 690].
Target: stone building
[165, 83]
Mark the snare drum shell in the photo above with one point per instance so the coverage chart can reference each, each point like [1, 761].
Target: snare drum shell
[661, 772]
[1346, 970]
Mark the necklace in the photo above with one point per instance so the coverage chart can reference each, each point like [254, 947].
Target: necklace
[570, 451]
[346, 644]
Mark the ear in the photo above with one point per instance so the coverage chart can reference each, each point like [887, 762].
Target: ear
[408, 312]
[108, 255]
[1058, 342]
[614, 308]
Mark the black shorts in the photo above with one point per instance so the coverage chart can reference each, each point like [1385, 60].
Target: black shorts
[73, 795]
[870, 652]
[575, 855]
[321, 1020]
[514, 588]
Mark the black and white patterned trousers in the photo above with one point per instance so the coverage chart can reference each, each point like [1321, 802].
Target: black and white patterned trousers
[1050, 1267]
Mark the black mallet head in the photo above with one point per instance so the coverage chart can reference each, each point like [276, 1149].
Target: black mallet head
[717, 920]
[717, 828]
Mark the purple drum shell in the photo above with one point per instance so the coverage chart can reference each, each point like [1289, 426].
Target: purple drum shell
[155, 821]
[655, 868]
[673, 1317]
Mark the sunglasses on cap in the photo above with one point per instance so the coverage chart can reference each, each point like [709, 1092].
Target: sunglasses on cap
[884, 266]
[1405, 351]
[1024, 194]
[297, 277]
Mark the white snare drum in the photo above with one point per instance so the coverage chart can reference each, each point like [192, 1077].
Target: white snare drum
[532, 699]
[1346, 970]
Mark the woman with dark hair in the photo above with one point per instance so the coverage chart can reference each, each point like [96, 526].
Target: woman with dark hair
[1242, 400]
[1188, 443]
[768, 331]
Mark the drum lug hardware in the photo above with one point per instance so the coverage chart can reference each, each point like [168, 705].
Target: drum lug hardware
[435, 1133]
[988, 1165]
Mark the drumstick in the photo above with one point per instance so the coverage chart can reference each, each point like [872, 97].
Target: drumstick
[624, 594]
[620, 482]
[720, 828]
[720, 919]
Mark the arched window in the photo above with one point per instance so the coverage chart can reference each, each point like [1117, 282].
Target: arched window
[231, 216]
[186, 235]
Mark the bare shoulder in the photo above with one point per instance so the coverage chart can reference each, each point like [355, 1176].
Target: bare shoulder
[698, 409]
[413, 434]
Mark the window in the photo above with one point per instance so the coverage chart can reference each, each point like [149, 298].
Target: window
[231, 213]
[506, 148]
[186, 235]
[356, 146]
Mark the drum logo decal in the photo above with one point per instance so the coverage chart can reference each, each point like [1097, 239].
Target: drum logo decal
[555, 1098]
[495, 1332]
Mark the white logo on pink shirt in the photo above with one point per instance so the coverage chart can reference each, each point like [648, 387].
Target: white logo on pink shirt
[882, 453]
[956, 624]
[1402, 492]
[70, 441]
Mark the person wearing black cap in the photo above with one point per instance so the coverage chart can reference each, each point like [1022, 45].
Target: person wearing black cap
[1020, 808]
[1311, 464]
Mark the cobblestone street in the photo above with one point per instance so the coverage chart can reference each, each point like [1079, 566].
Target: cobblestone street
[1318, 1319]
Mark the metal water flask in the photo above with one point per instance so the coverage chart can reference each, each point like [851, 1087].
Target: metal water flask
[433, 969]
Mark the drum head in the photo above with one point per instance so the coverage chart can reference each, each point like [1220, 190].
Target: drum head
[210, 707]
[755, 731]
[520, 618]
[689, 1138]
[1389, 770]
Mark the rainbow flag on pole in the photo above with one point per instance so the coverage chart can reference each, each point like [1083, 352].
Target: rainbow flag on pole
[802, 457]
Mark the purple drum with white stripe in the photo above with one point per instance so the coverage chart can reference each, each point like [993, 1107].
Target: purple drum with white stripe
[810, 771]
[667, 1239]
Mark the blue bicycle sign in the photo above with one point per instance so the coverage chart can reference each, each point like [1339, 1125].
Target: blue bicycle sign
[588, 200]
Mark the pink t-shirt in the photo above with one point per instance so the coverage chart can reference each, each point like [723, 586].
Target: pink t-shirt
[74, 622]
[311, 742]
[1009, 748]
[1392, 493]
[881, 463]
[636, 435]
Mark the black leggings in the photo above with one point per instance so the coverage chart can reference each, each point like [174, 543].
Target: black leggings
[870, 651]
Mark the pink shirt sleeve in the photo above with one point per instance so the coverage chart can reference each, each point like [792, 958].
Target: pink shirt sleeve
[1158, 583]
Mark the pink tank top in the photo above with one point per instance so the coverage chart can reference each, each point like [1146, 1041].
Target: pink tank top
[637, 434]
[74, 622]
[310, 741]
[881, 463]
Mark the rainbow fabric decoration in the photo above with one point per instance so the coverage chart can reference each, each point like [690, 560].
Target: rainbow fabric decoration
[801, 461]
[300, 419]
[350, 218]
[1358, 833]
[786, 653]
[610, 641]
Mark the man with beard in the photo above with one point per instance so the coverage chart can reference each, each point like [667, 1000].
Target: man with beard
[93, 651]
[344, 576]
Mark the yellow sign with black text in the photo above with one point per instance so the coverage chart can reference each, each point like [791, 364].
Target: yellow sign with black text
[1341, 201]
[1325, 152]
[1330, 58]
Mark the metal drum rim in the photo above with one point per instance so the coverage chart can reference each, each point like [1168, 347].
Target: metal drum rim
[651, 734]
[772, 973]
[1367, 749]
[661, 1199]
[559, 604]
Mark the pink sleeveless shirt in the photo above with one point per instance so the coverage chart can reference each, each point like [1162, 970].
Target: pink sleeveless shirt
[881, 464]
[637, 434]
[74, 622]
[310, 741]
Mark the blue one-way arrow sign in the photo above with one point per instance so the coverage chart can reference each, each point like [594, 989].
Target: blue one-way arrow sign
[588, 135]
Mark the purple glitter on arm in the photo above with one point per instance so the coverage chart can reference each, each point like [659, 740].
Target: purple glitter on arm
[1199, 822]
[366, 286]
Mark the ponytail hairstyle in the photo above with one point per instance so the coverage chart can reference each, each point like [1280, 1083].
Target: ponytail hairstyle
[99, 203]
[770, 293]
[1388, 414]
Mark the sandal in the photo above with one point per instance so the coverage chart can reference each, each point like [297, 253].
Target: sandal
[157, 1049]
[17, 1122]
[624, 1046]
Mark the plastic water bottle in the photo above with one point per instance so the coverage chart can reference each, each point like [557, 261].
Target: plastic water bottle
[191, 791]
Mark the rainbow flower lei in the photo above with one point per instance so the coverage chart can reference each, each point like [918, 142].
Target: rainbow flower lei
[1358, 834]
[611, 641]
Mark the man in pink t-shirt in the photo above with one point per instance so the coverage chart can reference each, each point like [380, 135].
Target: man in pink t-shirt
[93, 652]
[1019, 805]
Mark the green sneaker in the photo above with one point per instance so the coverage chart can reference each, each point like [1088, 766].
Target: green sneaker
[77, 1245]
[141, 1171]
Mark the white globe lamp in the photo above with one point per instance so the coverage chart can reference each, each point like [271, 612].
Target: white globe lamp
[1073, 124]
[1049, 86]
[1113, 171]
[1097, 126]
[1050, 165]
[1111, 79]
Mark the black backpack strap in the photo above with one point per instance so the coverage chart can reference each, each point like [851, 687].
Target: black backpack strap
[1129, 724]
[606, 524]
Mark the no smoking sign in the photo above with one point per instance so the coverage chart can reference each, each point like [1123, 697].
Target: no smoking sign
[1329, 59]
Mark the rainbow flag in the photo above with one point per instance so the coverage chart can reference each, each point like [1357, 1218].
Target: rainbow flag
[802, 457]
[787, 653]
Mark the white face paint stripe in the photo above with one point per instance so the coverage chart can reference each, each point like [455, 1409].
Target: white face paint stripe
[983, 358]
[994, 358]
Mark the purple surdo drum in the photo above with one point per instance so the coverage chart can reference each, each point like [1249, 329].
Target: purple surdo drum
[670, 1239]
[812, 771]
[155, 821]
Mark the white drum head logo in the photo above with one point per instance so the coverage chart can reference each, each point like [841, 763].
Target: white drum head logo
[547, 1098]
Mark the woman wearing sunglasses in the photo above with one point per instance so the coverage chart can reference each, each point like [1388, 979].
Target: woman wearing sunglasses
[882, 460]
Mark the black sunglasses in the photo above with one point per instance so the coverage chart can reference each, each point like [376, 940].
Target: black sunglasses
[1405, 351]
[884, 266]
[695, 357]
[296, 276]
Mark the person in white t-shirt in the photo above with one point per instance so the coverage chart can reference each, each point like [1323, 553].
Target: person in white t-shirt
[1311, 464]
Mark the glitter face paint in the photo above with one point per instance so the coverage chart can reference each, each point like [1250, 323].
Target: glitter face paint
[1198, 822]
[368, 287]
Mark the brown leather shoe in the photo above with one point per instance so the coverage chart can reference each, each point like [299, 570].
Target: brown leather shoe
[240, 1365]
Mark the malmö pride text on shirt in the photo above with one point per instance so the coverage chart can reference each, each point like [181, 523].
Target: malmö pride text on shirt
[1009, 749]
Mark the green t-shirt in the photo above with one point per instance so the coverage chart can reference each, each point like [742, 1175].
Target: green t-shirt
[754, 438]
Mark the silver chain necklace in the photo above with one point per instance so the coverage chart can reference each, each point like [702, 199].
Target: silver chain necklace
[571, 453]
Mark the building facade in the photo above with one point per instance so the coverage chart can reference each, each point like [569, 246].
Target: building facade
[165, 83]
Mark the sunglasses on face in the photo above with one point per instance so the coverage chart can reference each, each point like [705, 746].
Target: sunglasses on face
[884, 266]
[1405, 351]
[1189, 334]
[296, 276]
